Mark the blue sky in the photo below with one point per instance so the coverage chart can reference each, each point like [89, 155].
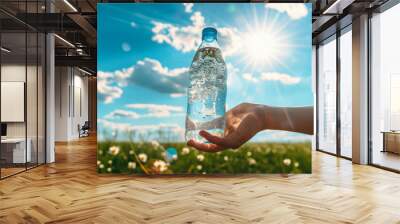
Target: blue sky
[145, 51]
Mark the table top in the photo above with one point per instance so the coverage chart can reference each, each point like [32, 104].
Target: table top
[390, 132]
[13, 140]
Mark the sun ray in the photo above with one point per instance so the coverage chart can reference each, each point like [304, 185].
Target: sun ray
[266, 41]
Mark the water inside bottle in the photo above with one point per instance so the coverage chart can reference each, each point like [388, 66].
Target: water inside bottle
[206, 94]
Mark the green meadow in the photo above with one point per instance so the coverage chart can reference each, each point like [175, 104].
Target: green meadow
[176, 158]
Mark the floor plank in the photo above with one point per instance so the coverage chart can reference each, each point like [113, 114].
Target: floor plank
[70, 191]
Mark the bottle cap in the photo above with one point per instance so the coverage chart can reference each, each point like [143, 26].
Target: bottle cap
[209, 34]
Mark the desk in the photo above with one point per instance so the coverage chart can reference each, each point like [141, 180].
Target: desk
[391, 141]
[18, 150]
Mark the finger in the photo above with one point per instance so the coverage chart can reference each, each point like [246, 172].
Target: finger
[212, 138]
[205, 147]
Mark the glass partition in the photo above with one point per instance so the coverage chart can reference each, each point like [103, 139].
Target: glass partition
[346, 93]
[385, 89]
[327, 96]
[13, 105]
[22, 92]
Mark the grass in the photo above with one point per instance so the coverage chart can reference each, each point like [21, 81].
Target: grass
[156, 158]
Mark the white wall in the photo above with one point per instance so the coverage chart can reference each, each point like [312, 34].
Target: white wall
[71, 94]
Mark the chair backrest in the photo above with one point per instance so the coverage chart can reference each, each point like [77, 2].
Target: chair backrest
[86, 124]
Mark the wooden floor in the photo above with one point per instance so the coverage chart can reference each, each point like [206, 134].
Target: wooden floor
[70, 191]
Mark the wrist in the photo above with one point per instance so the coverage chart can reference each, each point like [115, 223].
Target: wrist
[264, 117]
[271, 117]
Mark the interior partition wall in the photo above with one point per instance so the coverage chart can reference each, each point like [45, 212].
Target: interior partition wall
[22, 101]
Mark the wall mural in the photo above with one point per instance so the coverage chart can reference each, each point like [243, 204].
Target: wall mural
[204, 88]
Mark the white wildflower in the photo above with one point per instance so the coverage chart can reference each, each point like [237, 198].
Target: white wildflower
[114, 150]
[160, 165]
[142, 157]
[110, 162]
[248, 154]
[287, 162]
[101, 166]
[132, 165]
[185, 151]
[199, 167]
[109, 169]
[226, 158]
[155, 144]
[252, 161]
[200, 157]
[296, 164]
[131, 152]
[98, 162]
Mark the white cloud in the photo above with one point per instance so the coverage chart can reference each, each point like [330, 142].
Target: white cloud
[293, 10]
[185, 38]
[148, 73]
[249, 77]
[188, 7]
[151, 74]
[133, 24]
[280, 77]
[232, 72]
[126, 47]
[176, 95]
[130, 127]
[126, 127]
[157, 110]
[188, 38]
[281, 136]
[109, 84]
[122, 113]
[146, 111]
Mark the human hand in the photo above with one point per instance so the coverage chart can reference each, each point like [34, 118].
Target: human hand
[241, 124]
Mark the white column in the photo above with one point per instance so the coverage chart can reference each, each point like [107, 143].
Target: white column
[360, 90]
[50, 92]
[50, 101]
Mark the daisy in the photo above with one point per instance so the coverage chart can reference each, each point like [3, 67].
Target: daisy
[252, 161]
[155, 144]
[287, 162]
[160, 165]
[142, 157]
[132, 165]
[185, 151]
[114, 150]
[200, 157]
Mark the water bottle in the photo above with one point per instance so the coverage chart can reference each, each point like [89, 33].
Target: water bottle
[207, 89]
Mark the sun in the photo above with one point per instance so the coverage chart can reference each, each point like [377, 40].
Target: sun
[265, 43]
